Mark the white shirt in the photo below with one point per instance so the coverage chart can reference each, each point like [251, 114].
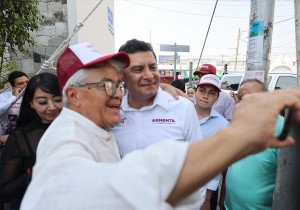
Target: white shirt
[167, 118]
[68, 175]
[10, 118]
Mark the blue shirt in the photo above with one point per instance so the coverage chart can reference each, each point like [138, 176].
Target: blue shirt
[212, 124]
[209, 126]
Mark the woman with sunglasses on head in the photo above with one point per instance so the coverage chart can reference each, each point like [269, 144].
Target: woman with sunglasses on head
[42, 103]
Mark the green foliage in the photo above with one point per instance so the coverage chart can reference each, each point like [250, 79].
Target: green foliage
[10, 66]
[18, 18]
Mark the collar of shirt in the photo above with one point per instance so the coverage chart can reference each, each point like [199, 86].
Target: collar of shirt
[162, 99]
[90, 125]
[213, 114]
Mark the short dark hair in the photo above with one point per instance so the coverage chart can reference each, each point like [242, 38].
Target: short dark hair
[254, 80]
[14, 75]
[134, 46]
[179, 84]
[48, 83]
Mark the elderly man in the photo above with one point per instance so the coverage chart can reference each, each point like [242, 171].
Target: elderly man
[70, 172]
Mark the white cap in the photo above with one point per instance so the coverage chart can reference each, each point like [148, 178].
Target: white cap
[211, 79]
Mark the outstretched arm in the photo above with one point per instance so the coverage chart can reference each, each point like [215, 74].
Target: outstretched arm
[251, 131]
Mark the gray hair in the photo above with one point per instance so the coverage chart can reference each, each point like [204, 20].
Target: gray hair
[253, 80]
[82, 74]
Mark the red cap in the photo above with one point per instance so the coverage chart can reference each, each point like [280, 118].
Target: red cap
[206, 69]
[80, 56]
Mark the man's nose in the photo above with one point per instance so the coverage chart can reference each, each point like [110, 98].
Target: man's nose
[148, 73]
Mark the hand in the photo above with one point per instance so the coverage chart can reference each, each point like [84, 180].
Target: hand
[205, 205]
[234, 96]
[3, 140]
[16, 91]
[256, 117]
[173, 91]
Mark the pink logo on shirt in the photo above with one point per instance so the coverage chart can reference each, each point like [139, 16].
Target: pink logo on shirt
[163, 121]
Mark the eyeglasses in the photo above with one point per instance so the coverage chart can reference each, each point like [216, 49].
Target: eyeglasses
[210, 93]
[110, 87]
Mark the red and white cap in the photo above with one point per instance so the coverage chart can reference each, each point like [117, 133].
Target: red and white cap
[211, 79]
[80, 56]
[206, 69]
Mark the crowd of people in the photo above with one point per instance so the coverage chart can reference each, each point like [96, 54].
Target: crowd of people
[104, 133]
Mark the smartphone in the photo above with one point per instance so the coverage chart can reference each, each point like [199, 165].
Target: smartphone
[288, 123]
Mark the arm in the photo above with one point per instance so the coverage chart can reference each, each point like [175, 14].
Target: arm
[203, 158]
[13, 179]
[5, 101]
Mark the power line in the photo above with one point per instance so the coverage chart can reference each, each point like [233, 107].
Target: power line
[187, 13]
[207, 32]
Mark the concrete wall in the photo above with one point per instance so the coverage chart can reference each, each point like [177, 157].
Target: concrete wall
[98, 29]
[61, 17]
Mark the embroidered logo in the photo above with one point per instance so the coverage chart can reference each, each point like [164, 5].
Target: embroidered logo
[163, 121]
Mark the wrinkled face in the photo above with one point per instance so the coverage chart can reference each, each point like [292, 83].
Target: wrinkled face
[142, 76]
[93, 101]
[206, 96]
[46, 105]
[247, 88]
[190, 92]
[21, 82]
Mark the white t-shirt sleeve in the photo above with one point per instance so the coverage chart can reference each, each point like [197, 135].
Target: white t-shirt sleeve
[151, 175]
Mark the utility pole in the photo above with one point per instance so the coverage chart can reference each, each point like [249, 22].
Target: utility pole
[237, 49]
[190, 73]
[287, 189]
[260, 39]
[297, 30]
[175, 61]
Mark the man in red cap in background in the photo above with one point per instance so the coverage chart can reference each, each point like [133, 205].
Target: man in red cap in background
[224, 105]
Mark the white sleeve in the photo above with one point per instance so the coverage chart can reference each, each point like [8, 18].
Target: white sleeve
[151, 175]
[5, 102]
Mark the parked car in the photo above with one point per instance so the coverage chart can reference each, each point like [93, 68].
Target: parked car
[231, 82]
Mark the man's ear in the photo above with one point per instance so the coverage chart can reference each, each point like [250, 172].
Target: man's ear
[72, 94]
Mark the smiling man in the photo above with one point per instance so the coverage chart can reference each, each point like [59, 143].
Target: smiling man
[148, 113]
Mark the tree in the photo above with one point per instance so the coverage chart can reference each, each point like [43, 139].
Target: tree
[18, 18]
